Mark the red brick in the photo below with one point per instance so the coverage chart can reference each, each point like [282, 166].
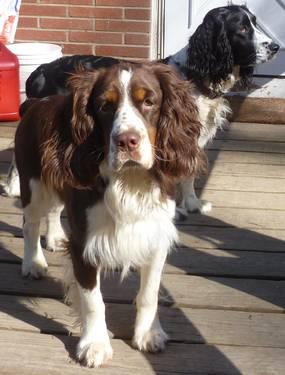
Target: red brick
[42, 10]
[93, 12]
[29, 1]
[77, 49]
[27, 22]
[41, 35]
[66, 24]
[137, 39]
[136, 26]
[75, 2]
[123, 51]
[137, 14]
[96, 37]
[125, 3]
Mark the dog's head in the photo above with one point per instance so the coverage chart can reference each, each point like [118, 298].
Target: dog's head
[133, 115]
[228, 37]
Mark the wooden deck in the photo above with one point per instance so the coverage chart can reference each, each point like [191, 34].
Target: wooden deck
[222, 294]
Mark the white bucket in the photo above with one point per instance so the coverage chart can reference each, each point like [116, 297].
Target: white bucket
[30, 56]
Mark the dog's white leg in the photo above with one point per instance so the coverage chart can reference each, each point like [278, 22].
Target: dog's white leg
[55, 235]
[34, 263]
[12, 187]
[190, 202]
[94, 348]
[149, 336]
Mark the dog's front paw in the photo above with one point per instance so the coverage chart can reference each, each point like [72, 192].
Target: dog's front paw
[193, 204]
[94, 354]
[34, 268]
[152, 341]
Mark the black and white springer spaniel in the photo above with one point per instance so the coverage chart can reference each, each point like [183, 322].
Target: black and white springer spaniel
[112, 152]
[224, 49]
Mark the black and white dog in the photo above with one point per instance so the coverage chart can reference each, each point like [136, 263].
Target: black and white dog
[224, 49]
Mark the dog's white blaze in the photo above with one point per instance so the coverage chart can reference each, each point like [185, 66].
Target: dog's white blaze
[129, 119]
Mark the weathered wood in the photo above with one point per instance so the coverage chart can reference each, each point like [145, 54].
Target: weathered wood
[232, 238]
[180, 290]
[6, 143]
[252, 132]
[226, 263]
[7, 131]
[182, 325]
[243, 199]
[252, 170]
[248, 146]
[246, 157]
[259, 110]
[237, 217]
[182, 260]
[242, 183]
[51, 354]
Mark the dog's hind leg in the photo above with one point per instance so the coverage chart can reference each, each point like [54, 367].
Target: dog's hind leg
[190, 202]
[34, 263]
[55, 235]
[12, 186]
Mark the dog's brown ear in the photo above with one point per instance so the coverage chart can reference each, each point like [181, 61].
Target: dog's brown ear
[177, 152]
[82, 122]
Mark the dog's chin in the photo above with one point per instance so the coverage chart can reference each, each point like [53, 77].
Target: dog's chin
[131, 164]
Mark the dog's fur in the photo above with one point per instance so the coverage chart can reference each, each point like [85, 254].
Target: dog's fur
[223, 50]
[112, 152]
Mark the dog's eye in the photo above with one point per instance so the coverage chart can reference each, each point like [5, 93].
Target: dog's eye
[148, 102]
[107, 107]
[244, 29]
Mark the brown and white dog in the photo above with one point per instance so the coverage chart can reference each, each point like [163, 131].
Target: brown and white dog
[112, 153]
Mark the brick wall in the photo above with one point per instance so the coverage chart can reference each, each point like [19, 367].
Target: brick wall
[118, 28]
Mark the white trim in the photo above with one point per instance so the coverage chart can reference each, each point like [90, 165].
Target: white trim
[157, 29]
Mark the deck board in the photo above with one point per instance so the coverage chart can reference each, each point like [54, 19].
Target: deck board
[222, 297]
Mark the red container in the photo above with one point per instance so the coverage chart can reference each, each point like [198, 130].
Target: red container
[9, 85]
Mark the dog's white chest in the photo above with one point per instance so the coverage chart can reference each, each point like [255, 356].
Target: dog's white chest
[127, 227]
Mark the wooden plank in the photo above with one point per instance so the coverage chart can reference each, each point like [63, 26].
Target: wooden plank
[253, 170]
[180, 290]
[7, 131]
[219, 217]
[248, 146]
[6, 143]
[236, 217]
[182, 325]
[183, 260]
[52, 355]
[233, 239]
[242, 183]
[10, 205]
[254, 132]
[243, 199]
[245, 157]
[258, 110]
[212, 262]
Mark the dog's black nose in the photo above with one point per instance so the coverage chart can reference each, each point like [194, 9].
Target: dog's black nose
[274, 47]
[127, 141]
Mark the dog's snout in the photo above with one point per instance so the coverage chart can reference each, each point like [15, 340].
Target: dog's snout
[128, 141]
[274, 47]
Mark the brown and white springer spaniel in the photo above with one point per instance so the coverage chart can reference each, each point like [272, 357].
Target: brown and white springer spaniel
[112, 153]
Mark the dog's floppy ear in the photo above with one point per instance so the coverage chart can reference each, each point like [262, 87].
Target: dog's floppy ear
[210, 55]
[177, 154]
[82, 122]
